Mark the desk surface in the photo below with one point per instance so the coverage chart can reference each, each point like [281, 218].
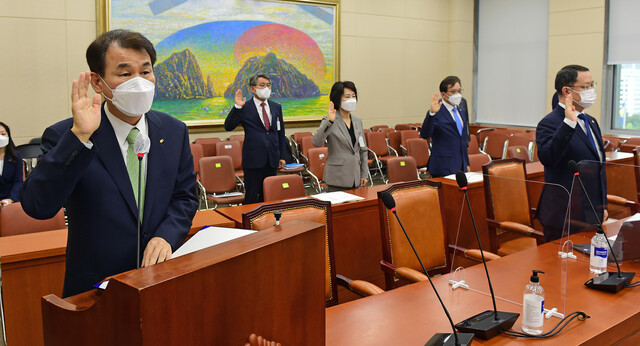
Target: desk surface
[410, 315]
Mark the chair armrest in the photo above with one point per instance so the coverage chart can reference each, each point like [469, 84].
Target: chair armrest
[359, 287]
[634, 207]
[475, 254]
[519, 229]
[410, 275]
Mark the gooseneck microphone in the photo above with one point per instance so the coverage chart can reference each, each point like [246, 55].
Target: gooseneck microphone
[608, 282]
[440, 338]
[490, 323]
[141, 147]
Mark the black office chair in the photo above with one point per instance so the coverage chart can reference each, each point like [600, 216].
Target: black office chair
[30, 154]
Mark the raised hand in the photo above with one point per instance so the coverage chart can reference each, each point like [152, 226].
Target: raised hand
[435, 103]
[86, 110]
[570, 109]
[331, 113]
[240, 101]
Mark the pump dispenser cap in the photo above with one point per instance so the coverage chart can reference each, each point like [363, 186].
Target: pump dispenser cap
[534, 277]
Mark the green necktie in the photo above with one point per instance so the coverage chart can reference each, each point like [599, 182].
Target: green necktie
[132, 168]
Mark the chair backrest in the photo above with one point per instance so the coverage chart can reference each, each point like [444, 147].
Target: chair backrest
[633, 140]
[406, 135]
[14, 221]
[418, 148]
[285, 186]
[476, 161]
[482, 134]
[395, 140]
[519, 152]
[520, 138]
[208, 145]
[401, 169]
[231, 149]
[400, 127]
[317, 161]
[614, 142]
[217, 174]
[505, 191]
[239, 138]
[29, 151]
[297, 137]
[474, 148]
[197, 153]
[305, 209]
[494, 144]
[416, 202]
[387, 130]
[306, 143]
[376, 128]
[377, 143]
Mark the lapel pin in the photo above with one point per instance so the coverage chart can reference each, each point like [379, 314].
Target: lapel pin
[162, 140]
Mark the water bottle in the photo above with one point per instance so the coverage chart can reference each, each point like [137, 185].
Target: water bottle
[599, 252]
[533, 306]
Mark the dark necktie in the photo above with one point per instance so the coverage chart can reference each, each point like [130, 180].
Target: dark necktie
[265, 117]
[586, 126]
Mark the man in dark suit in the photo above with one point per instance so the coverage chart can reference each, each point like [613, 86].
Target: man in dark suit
[90, 167]
[448, 129]
[569, 134]
[265, 145]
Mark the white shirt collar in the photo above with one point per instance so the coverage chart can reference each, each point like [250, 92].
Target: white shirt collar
[122, 129]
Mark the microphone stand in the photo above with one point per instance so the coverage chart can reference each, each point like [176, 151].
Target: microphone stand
[140, 156]
[439, 338]
[607, 281]
[482, 325]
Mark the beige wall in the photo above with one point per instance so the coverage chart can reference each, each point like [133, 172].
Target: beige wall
[576, 36]
[395, 51]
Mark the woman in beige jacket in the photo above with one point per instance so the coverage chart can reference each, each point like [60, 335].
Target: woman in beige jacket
[347, 165]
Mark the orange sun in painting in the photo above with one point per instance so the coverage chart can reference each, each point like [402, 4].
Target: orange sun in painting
[292, 45]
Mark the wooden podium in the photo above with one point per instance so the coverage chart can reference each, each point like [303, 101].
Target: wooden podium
[270, 283]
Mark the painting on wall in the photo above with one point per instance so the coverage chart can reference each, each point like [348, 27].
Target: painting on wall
[208, 49]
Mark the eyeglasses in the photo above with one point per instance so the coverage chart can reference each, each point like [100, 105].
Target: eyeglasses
[452, 92]
[587, 87]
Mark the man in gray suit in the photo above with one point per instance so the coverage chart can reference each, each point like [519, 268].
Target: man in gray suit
[347, 165]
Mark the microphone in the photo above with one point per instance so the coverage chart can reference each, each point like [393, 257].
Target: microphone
[439, 338]
[482, 324]
[608, 282]
[141, 147]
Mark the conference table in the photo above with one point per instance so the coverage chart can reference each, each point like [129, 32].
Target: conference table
[33, 266]
[411, 314]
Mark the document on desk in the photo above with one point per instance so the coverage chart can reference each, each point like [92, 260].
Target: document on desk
[472, 177]
[210, 236]
[337, 197]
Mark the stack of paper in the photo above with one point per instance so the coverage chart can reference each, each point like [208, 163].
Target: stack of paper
[337, 197]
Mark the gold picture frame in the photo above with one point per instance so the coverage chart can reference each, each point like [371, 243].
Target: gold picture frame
[304, 34]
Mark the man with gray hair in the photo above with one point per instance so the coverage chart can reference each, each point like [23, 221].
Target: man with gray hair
[265, 144]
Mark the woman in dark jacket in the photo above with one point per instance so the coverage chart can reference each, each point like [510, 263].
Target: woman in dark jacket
[11, 169]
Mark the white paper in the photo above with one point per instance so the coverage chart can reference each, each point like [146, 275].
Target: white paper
[361, 140]
[210, 236]
[472, 177]
[337, 197]
[277, 125]
[227, 194]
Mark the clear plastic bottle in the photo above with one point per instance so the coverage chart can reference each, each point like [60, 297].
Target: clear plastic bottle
[599, 252]
[533, 306]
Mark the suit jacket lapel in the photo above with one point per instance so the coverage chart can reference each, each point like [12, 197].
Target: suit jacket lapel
[583, 136]
[343, 129]
[274, 117]
[154, 161]
[111, 157]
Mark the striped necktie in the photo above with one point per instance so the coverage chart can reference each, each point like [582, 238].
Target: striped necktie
[133, 166]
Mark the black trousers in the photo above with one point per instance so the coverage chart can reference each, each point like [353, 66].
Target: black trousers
[253, 179]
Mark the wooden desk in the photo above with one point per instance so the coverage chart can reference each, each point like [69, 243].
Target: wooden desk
[410, 315]
[356, 237]
[33, 266]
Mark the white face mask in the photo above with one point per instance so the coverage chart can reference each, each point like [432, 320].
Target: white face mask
[349, 105]
[455, 99]
[133, 97]
[4, 141]
[263, 93]
[587, 98]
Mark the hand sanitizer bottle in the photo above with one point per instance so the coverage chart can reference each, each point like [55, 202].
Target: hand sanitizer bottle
[533, 306]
